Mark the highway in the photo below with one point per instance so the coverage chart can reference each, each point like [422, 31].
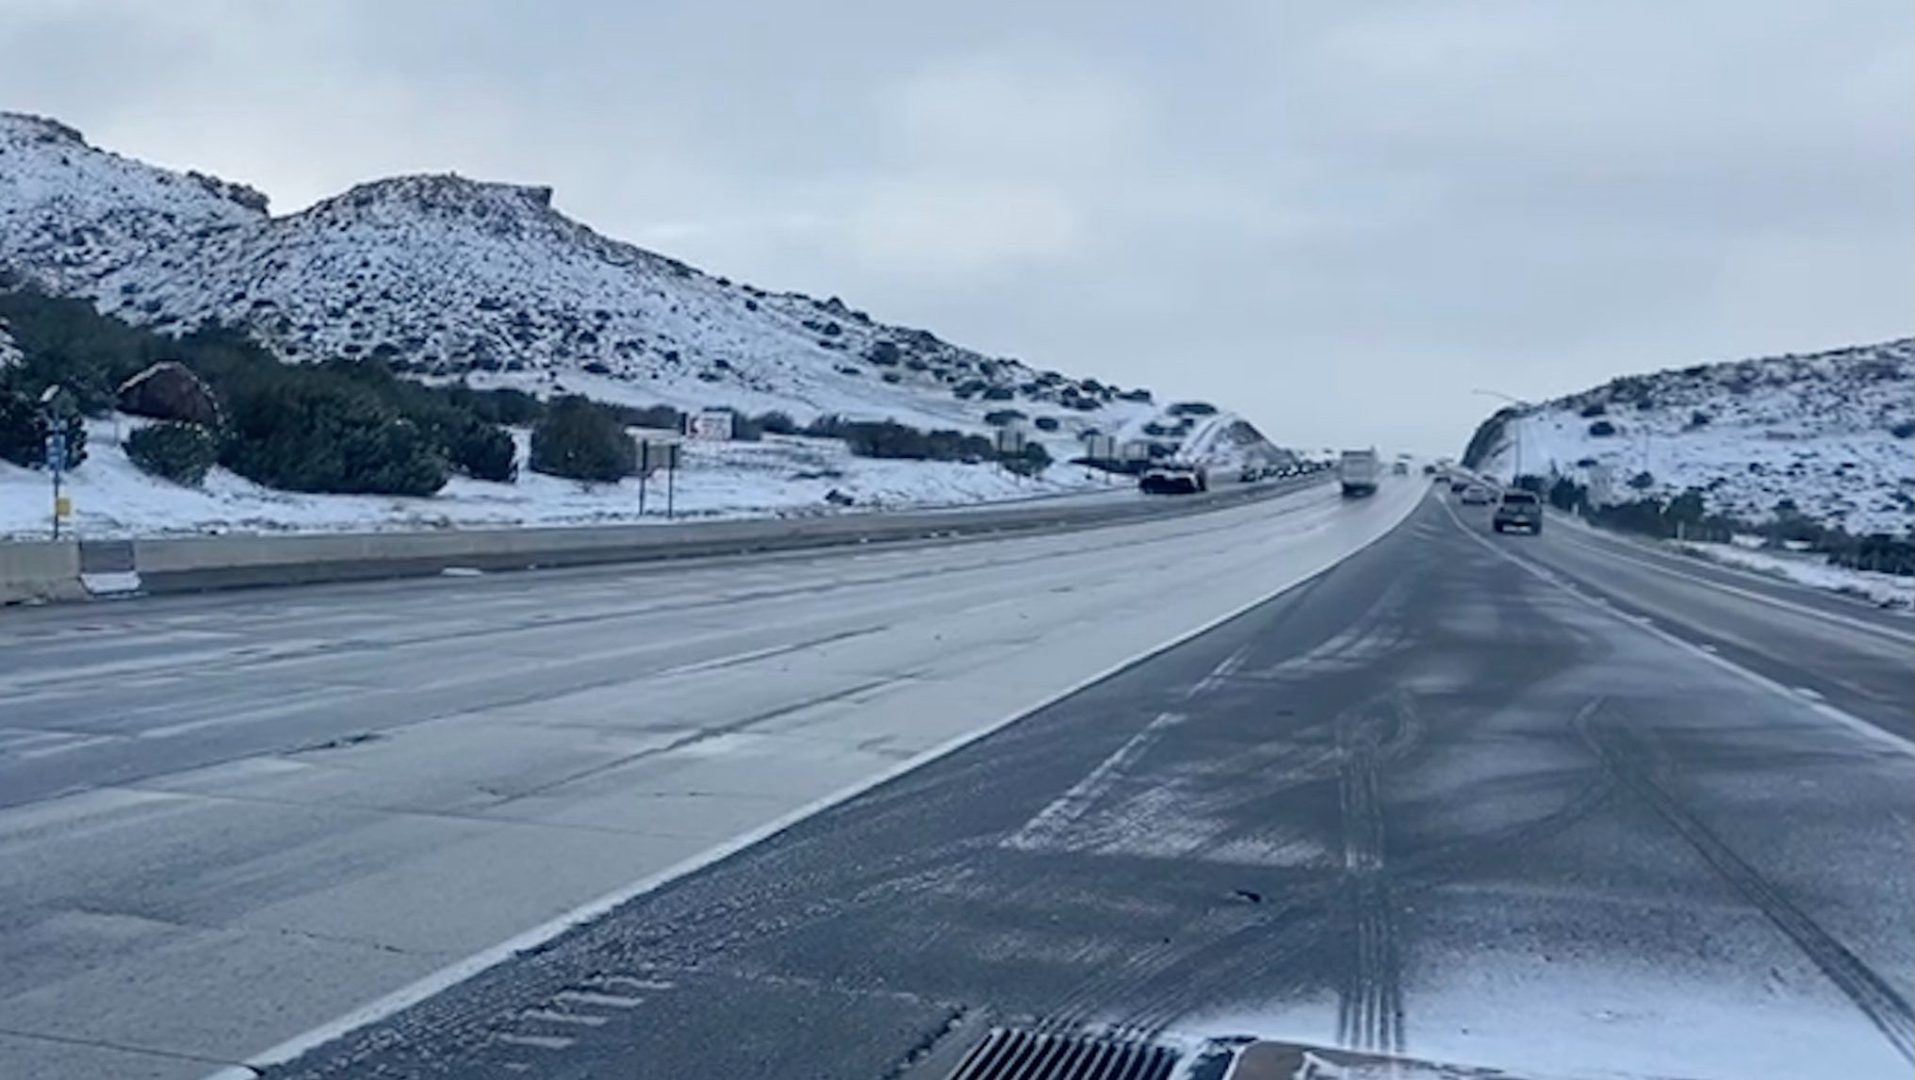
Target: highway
[1502, 802]
[229, 819]
[1344, 775]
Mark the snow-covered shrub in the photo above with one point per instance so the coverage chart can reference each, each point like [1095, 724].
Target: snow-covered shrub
[1033, 460]
[777, 422]
[173, 450]
[301, 431]
[23, 432]
[1602, 429]
[583, 441]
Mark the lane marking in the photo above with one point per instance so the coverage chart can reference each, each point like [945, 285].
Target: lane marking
[540, 1042]
[461, 970]
[1887, 739]
[1067, 809]
[1224, 669]
[592, 997]
[556, 1017]
[635, 983]
[1749, 594]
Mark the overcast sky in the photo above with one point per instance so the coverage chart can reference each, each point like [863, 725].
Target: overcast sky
[1338, 218]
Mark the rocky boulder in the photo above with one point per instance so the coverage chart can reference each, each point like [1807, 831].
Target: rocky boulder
[169, 390]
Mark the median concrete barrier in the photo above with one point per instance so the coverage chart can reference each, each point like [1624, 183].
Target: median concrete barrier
[34, 572]
[221, 562]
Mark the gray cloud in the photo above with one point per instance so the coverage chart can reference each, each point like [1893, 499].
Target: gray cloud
[1339, 218]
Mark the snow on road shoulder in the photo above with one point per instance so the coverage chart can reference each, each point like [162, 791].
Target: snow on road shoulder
[1803, 569]
[780, 476]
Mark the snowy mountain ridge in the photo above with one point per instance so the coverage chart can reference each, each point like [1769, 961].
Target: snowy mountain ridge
[450, 278]
[1830, 433]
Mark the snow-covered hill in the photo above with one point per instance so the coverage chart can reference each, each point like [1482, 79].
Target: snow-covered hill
[1833, 433]
[447, 277]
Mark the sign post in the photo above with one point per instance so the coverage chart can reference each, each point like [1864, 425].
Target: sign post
[671, 478]
[56, 465]
[657, 448]
[1010, 443]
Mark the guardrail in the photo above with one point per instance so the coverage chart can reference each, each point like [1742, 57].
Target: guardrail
[35, 572]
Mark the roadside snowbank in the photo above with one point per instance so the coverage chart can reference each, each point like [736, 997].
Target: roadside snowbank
[1885, 589]
[777, 477]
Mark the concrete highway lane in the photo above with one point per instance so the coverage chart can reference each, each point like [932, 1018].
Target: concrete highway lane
[1439, 803]
[226, 821]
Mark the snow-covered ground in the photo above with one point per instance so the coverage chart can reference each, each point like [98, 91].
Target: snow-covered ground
[1810, 570]
[1819, 431]
[777, 477]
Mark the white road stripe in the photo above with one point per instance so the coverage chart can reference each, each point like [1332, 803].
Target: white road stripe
[463, 969]
[541, 1042]
[592, 997]
[1750, 594]
[1065, 810]
[556, 1017]
[1887, 739]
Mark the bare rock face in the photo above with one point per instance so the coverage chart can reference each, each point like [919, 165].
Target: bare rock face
[169, 390]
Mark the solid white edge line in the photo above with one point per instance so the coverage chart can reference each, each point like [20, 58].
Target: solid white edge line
[1835, 617]
[1887, 739]
[459, 971]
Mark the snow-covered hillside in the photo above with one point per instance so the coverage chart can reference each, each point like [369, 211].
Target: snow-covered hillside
[446, 277]
[1833, 433]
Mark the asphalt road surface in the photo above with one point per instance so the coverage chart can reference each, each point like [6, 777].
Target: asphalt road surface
[228, 820]
[1553, 804]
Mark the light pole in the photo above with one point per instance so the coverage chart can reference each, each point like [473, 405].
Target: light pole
[1518, 440]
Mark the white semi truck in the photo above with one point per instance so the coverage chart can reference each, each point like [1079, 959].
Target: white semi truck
[1358, 470]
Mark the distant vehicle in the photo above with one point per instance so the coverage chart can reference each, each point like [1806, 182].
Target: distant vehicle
[1250, 474]
[1519, 510]
[1174, 478]
[1400, 469]
[1459, 484]
[1477, 495]
[1430, 470]
[1357, 471]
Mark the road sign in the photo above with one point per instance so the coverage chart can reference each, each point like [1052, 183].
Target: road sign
[56, 451]
[63, 506]
[653, 456]
[712, 424]
[1101, 447]
[1011, 440]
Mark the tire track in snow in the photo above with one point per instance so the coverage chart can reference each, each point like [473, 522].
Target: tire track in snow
[1635, 764]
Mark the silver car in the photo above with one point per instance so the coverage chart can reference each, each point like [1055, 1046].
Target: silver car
[1518, 510]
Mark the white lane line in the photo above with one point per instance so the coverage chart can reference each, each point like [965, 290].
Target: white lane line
[540, 1042]
[1750, 594]
[631, 983]
[1808, 693]
[461, 970]
[555, 1017]
[1224, 669]
[592, 997]
[1065, 810]
[1887, 739]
